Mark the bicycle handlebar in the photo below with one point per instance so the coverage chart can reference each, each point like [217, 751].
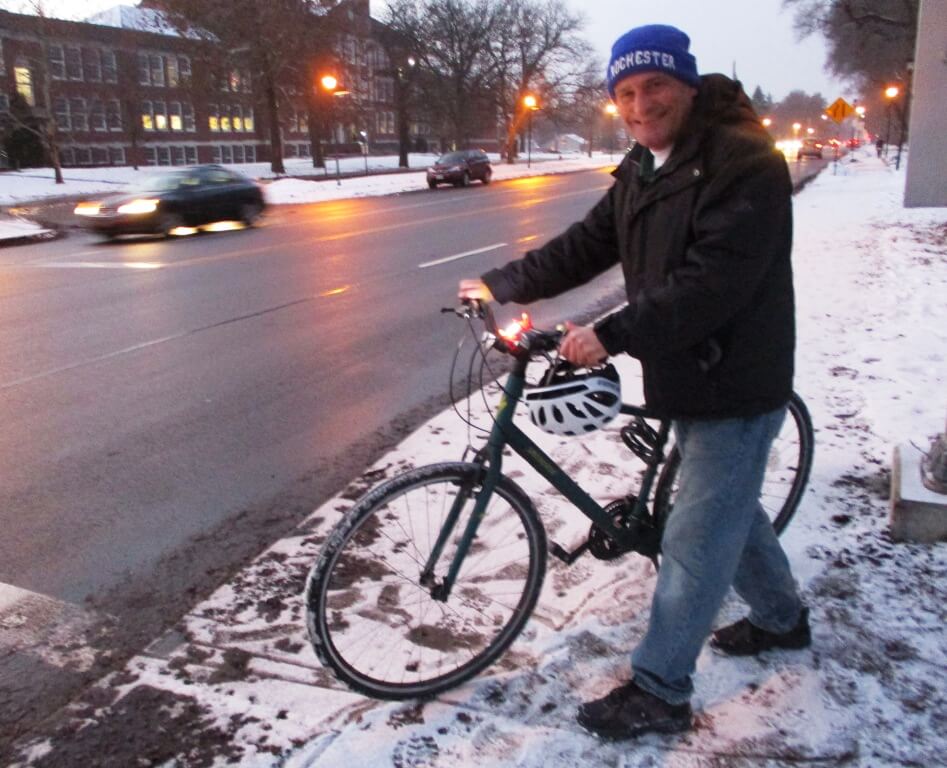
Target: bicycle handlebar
[518, 338]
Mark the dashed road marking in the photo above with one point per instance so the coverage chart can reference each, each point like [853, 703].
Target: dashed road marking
[456, 256]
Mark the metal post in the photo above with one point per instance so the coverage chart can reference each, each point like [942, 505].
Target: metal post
[529, 140]
[888, 130]
[338, 173]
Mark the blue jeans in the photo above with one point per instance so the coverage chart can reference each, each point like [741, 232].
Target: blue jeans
[717, 536]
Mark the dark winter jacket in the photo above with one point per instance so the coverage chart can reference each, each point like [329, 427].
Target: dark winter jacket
[705, 250]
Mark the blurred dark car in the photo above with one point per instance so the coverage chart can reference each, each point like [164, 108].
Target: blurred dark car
[811, 148]
[182, 198]
[460, 168]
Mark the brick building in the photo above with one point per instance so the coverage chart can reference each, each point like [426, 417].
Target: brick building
[122, 89]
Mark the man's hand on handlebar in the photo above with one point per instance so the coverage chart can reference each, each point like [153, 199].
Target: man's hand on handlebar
[474, 289]
[581, 345]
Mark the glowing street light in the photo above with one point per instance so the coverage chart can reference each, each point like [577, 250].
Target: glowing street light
[767, 122]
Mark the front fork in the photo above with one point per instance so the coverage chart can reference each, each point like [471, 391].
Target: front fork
[490, 461]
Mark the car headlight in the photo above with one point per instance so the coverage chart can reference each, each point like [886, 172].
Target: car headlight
[87, 209]
[139, 207]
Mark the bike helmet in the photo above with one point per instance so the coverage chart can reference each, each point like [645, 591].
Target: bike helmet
[570, 403]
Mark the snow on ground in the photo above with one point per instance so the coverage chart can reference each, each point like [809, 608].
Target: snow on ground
[17, 187]
[871, 279]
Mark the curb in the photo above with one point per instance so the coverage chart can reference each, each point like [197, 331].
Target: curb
[43, 235]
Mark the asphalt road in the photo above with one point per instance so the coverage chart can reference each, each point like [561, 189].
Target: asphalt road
[171, 407]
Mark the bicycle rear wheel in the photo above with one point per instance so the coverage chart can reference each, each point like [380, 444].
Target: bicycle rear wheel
[787, 470]
[379, 629]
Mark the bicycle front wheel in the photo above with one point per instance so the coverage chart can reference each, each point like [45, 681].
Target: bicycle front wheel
[374, 623]
[787, 469]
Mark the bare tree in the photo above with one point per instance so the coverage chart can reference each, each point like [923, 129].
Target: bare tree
[401, 52]
[275, 38]
[40, 120]
[533, 50]
[869, 41]
[452, 39]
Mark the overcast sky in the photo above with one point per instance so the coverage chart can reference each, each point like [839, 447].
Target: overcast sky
[755, 35]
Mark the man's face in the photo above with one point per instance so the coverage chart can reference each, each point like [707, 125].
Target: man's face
[654, 106]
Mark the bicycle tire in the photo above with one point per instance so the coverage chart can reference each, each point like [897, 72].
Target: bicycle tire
[787, 470]
[378, 629]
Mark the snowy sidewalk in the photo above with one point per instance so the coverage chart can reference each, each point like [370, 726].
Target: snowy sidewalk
[239, 680]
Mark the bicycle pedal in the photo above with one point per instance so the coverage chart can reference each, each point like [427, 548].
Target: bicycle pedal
[564, 555]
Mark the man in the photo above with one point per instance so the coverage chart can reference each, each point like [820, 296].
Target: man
[700, 218]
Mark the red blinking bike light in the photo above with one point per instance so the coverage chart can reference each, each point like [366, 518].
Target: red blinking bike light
[511, 334]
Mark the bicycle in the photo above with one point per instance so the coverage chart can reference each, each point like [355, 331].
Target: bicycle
[431, 575]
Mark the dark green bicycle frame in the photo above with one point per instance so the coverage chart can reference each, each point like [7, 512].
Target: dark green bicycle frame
[506, 433]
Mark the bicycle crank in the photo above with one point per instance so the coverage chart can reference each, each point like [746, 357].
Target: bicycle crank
[644, 538]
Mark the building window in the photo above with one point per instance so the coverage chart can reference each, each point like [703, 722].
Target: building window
[226, 154]
[157, 70]
[57, 62]
[305, 150]
[24, 84]
[213, 121]
[191, 154]
[78, 115]
[61, 113]
[160, 115]
[73, 63]
[189, 124]
[117, 155]
[290, 150]
[4, 102]
[147, 118]
[173, 74]
[236, 114]
[113, 115]
[174, 116]
[238, 153]
[109, 67]
[144, 73]
[93, 66]
[248, 119]
[97, 116]
[67, 156]
[151, 157]
[164, 156]
[100, 156]
[224, 121]
[83, 156]
[177, 155]
[184, 68]
[215, 153]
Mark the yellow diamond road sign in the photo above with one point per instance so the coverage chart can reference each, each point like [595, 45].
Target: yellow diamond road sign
[839, 109]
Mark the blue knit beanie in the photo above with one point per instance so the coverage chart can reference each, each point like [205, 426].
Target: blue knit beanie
[652, 48]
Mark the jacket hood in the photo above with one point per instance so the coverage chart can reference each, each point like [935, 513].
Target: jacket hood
[722, 100]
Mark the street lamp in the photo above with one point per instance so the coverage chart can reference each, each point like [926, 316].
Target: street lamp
[330, 84]
[891, 93]
[531, 104]
[611, 110]
[767, 122]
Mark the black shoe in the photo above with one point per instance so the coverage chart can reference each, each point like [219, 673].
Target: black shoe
[745, 639]
[629, 711]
